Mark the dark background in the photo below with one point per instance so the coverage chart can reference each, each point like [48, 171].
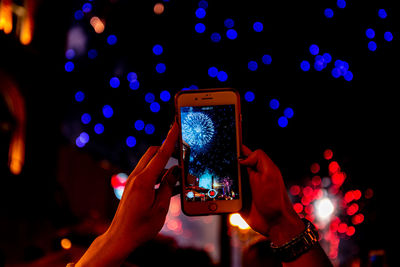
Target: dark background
[62, 185]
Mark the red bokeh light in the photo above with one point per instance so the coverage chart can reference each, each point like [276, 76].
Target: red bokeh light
[298, 207]
[338, 178]
[316, 180]
[342, 228]
[351, 231]
[328, 154]
[315, 168]
[352, 209]
[357, 194]
[369, 193]
[118, 181]
[294, 190]
[333, 167]
[357, 219]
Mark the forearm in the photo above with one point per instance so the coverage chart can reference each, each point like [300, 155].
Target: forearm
[103, 253]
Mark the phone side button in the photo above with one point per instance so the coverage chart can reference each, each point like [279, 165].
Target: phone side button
[212, 207]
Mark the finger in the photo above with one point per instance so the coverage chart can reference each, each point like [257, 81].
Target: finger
[251, 160]
[246, 151]
[167, 185]
[160, 159]
[147, 156]
[256, 160]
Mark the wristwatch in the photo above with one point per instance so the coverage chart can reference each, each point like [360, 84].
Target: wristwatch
[298, 245]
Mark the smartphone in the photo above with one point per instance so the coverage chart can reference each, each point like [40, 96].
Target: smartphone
[210, 139]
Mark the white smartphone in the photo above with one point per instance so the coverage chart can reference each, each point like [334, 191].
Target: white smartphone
[210, 140]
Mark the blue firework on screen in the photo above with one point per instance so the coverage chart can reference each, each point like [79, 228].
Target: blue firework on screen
[209, 136]
[197, 129]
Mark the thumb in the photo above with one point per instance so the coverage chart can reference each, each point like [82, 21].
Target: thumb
[166, 187]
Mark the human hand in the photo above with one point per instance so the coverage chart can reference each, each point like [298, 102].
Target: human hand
[141, 212]
[271, 212]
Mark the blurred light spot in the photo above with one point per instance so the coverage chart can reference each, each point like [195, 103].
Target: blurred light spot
[99, 128]
[388, 36]
[288, 112]
[305, 65]
[236, 220]
[249, 96]
[324, 208]
[231, 34]
[157, 49]
[212, 72]
[131, 141]
[348, 76]
[119, 191]
[149, 129]
[372, 46]
[267, 59]
[222, 76]
[78, 15]
[149, 97]
[155, 107]
[274, 104]
[327, 57]
[370, 33]
[158, 8]
[79, 96]
[160, 67]
[131, 77]
[252, 65]
[86, 118]
[200, 27]
[112, 39]
[258, 26]
[114, 82]
[92, 53]
[97, 24]
[69, 66]
[283, 122]
[66, 243]
[139, 125]
[87, 7]
[328, 13]
[335, 73]
[215, 37]
[134, 85]
[341, 3]
[382, 13]
[328, 154]
[200, 13]
[298, 207]
[165, 96]
[70, 54]
[229, 23]
[314, 168]
[294, 190]
[314, 49]
[108, 111]
[202, 4]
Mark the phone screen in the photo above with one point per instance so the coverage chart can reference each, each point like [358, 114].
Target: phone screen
[210, 153]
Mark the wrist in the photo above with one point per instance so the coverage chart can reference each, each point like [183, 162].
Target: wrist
[286, 228]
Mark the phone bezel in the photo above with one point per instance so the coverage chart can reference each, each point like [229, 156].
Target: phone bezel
[210, 97]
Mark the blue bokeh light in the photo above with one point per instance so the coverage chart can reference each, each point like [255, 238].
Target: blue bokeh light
[288, 113]
[341, 3]
[139, 125]
[202, 4]
[131, 77]
[252, 65]
[149, 97]
[157, 50]
[78, 15]
[283, 121]
[92, 53]
[215, 37]
[87, 7]
[348, 76]
[370, 33]
[114, 82]
[200, 13]
[134, 85]
[314, 49]
[328, 13]
[200, 27]
[69, 66]
[249, 96]
[266, 59]
[327, 57]
[222, 76]
[70, 53]
[335, 72]
[165, 96]
[258, 26]
[131, 141]
[160, 67]
[155, 107]
[108, 112]
[372, 46]
[231, 34]
[79, 96]
[388, 36]
[382, 13]
[212, 72]
[229, 23]
[86, 118]
[99, 128]
[149, 129]
[305, 65]
[112, 39]
[274, 104]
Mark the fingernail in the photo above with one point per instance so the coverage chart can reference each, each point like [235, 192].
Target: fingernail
[242, 158]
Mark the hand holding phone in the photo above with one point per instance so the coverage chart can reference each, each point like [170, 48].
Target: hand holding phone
[210, 140]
